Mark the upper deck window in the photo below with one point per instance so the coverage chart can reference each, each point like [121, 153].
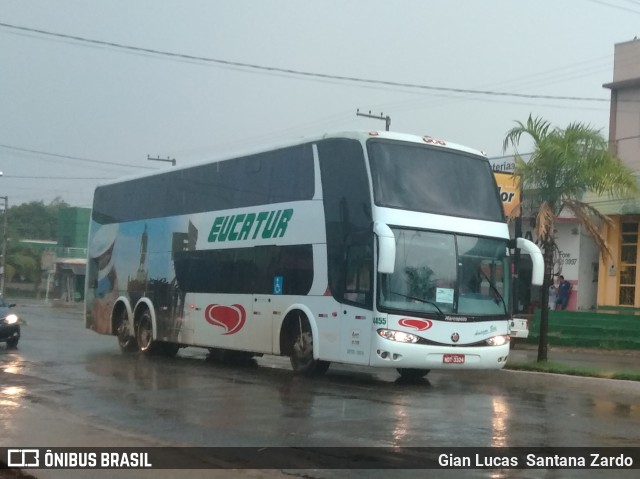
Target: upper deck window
[271, 177]
[433, 180]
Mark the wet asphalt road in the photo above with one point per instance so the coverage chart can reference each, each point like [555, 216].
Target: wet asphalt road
[66, 370]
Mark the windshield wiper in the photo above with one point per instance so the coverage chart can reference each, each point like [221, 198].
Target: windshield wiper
[493, 288]
[422, 300]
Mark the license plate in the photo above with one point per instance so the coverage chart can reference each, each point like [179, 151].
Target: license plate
[453, 358]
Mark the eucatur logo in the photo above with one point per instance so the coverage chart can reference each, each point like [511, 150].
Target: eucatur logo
[265, 225]
[230, 318]
[417, 324]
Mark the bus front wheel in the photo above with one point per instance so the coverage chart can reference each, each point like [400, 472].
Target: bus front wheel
[301, 357]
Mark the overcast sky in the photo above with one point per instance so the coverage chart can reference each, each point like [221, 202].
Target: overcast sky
[77, 112]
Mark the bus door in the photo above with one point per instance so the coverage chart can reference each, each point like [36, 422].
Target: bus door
[267, 288]
[356, 334]
[357, 307]
[262, 323]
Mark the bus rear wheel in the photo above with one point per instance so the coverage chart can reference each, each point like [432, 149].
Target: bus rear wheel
[301, 357]
[144, 332]
[412, 374]
[126, 340]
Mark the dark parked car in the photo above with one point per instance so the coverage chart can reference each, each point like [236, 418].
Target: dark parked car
[9, 325]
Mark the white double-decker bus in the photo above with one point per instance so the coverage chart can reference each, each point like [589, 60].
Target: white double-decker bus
[377, 248]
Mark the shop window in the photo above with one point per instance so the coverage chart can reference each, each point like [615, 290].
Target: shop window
[628, 264]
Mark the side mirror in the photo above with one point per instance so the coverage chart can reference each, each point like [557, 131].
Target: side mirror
[537, 274]
[386, 248]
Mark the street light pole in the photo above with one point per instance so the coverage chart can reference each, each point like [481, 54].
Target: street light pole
[387, 119]
[168, 160]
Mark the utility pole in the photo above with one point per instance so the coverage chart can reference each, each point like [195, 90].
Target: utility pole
[515, 308]
[167, 159]
[387, 119]
[4, 245]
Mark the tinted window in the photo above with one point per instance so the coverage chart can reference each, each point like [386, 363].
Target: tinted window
[433, 180]
[246, 270]
[347, 209]
[267, 178]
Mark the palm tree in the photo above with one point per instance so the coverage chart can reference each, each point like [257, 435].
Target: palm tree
[565, 164]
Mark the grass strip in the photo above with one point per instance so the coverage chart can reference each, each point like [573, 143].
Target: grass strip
[558, 368]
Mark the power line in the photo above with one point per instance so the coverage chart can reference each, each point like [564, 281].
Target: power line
[290, 71]
[619, 7]
[68, 157]
[58, 177]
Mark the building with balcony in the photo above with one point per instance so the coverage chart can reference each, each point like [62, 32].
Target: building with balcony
[68, 270]
[619, 275]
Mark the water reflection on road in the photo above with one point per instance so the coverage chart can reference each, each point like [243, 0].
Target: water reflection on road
[193, 400]
[499, 421]
[266, 404]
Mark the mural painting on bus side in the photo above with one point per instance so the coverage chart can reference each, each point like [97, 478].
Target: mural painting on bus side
[103, 277]
[139, 251]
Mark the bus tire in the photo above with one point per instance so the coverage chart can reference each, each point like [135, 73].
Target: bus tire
[144, 332]
[126, 340]
[301, 358]
[412, 374]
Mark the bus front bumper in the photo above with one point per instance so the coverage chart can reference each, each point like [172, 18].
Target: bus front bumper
[417, 356]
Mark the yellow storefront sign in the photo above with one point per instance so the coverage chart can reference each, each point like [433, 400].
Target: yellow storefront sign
[509, 192]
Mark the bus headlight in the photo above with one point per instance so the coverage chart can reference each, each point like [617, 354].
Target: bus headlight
[11, 318]
[399, 336]
[498, 340]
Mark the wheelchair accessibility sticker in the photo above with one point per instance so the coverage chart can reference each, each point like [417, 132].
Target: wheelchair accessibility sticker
[277, 284]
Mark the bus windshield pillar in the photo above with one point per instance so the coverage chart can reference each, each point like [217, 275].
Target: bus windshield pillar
[386, 248]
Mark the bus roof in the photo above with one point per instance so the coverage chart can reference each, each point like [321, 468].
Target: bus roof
[405, 137]
[352, 134]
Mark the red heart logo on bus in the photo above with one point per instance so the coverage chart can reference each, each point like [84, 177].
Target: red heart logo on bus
[231, 318]
[417, 324]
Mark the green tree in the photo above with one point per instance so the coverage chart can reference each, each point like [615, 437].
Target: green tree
[26, 265]
[31, 221]
[565, 164]
[35, 220]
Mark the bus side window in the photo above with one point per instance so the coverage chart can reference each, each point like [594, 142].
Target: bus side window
[295, 265]
[359, 284]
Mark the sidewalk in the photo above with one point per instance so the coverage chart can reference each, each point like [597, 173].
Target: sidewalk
[605, 360]
[51, 303]
[38, 426]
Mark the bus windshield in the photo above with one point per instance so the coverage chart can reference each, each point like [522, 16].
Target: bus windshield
[433, 179]
[442, 273]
